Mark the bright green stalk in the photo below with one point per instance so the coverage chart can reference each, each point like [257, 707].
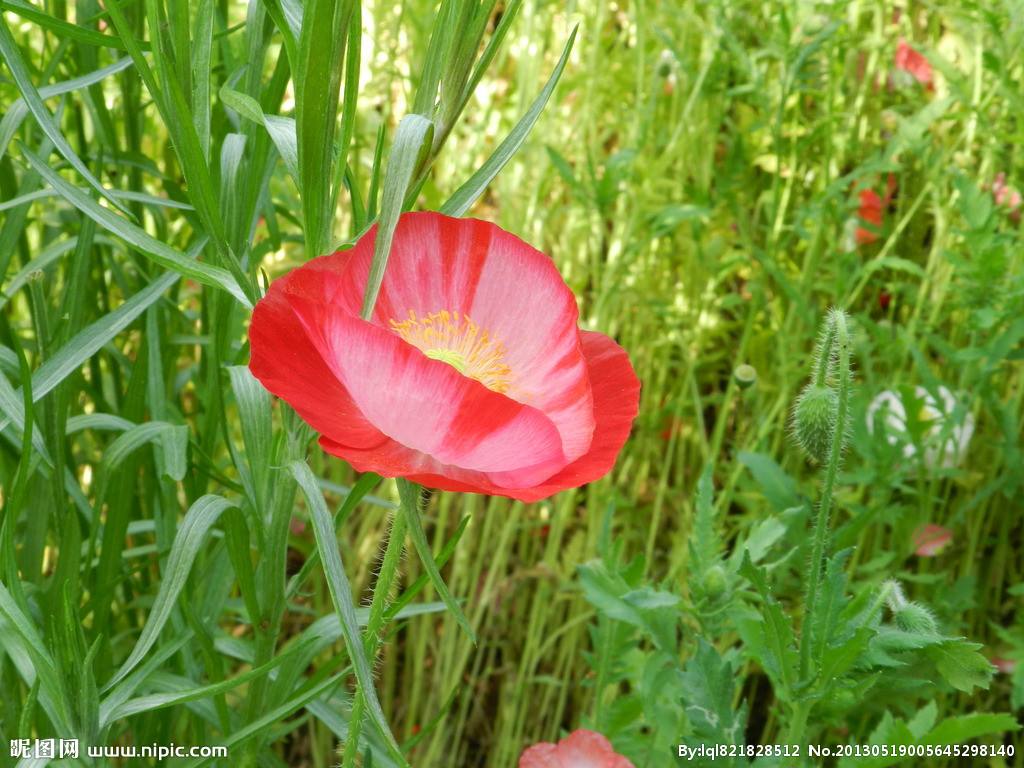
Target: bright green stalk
[833, 358]
[378, 614]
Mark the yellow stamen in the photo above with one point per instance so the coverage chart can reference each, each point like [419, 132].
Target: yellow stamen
[454, 339]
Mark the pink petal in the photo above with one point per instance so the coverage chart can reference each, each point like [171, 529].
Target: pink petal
[504, 286]
[287, 363]
[931, 539]
[428, 405]
[540, 756]
[616, 399]
[580, 749]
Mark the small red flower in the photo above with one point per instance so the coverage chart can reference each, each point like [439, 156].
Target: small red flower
[580, 749]
[472, 374]
[884, 300]
[911, 61]
[931, 539]
[872, 210]
[1006, 196]
[1006, 666]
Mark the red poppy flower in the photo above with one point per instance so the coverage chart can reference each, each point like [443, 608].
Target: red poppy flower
[472, 374]
[931, 539]
[580, 749]
[871, 211]
[911, 61]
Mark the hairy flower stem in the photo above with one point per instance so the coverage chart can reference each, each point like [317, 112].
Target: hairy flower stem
[836, 342]
[378, 611]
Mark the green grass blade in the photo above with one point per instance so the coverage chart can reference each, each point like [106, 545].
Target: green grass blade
[411, 148]
[280, 129]
[159, 252]
[63, 28]
[341, 594]
[17, 111]
[466, 195]
[190, 537]
[317, 83]
[10, 53]
[20, 639]
[409, 493]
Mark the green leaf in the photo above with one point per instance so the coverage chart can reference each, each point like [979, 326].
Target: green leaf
[466, 195]
[17, 111]
[961, 728]
[778, 487]
[341, 596]
[960, 664]
[62, 28]
[708, 687]
[762, 536]
[9, 52]
[770, 638]
[189, 539]
[21, 641]
[321, 54]
[654, 612]
[254, 407]
[411, 147]
[409, 494]
[705, 546]
[83, 345]
[280, 129]
[159, 252]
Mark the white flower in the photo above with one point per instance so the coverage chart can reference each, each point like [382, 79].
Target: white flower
[946, 433]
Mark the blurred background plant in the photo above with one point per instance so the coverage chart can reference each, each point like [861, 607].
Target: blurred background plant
[700, 177]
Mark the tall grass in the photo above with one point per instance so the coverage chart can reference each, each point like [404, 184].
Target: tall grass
[169, 570]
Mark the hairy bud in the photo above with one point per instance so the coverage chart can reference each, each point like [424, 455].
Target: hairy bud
[916, 618]
[814, 420]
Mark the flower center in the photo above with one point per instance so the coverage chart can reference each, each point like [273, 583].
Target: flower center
[453, 338]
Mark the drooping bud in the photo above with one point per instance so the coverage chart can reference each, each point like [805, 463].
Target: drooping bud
[916, 618]
[814, 420]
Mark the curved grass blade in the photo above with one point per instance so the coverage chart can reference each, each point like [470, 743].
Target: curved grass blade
[190, 537]
[412, 145]
[280, 129]
[17, 112]
[63, 28]
[161, 253]
[274, 717]
[10, 54]
[21, 641]
[341, 595]
[466, 195]
[83, 345]
[410, 496]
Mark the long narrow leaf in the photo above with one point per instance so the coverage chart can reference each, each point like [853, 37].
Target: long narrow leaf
[410, 496]
[341, 595]
[466, 195]
[159, 252]
[10, 53]
[412, 143]
[190, 537]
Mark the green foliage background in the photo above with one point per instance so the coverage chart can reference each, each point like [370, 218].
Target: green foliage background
[693, 176]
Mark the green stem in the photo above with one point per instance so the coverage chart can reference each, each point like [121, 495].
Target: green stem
[378, 613]
[838, 335]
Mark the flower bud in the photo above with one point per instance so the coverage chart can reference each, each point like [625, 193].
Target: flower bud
[714, 582]
[916, 618]
[745, 376]
[814, 420]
